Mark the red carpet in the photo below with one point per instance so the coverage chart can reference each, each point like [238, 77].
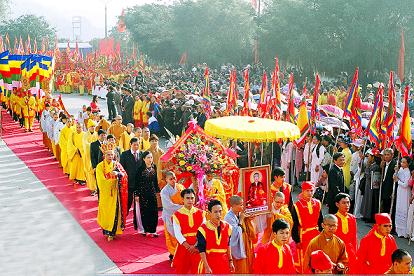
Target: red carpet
[131, 252]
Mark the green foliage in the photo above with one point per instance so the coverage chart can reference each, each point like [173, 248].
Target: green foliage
[35, 26]
[4, 4]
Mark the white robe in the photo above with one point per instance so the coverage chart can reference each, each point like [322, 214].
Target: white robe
[306, 158]
[57, 127]
[316, 161]
[356, 169]
[403, 202]
[286, 158]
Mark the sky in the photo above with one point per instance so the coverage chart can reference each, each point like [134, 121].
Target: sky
[59, 13]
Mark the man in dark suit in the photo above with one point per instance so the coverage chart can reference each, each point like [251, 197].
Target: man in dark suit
[336, 182]
[388, 166]
[96, 153]
[131, 161]
[127, 106]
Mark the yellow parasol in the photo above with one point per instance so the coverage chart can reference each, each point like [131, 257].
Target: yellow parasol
[251, 129]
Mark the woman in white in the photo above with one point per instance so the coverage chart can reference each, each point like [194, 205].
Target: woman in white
[403, 198]
[318, 153]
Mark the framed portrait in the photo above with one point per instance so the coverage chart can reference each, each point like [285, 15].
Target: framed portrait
[255, 188]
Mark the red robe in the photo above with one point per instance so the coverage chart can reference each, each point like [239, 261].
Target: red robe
[184, 262]
[349, 238]
[286, 190]
[216, 247]
[268, 260]
[370, 258]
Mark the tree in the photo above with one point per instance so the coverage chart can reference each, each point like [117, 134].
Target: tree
[4, 4]
[35, 26]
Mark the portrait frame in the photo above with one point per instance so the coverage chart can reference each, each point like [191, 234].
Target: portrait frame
[262, 203]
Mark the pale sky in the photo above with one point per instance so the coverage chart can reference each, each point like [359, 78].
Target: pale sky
[59, 14]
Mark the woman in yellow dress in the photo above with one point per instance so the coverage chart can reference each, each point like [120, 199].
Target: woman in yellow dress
[113, 194]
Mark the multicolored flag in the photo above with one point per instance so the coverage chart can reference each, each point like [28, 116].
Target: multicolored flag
[245, 110]
[353, 91]
[290, 111]
[232, 93]
[404, 142]
[375, 122]
[315, 115]
[263, 96]
[390, 118]
[206, 94]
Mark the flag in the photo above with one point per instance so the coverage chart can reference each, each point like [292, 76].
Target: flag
[245, 111]
[68, 48]
[263, 96]
[356, 118]
[390, 118]
[404, 142]
[401, 58]
[375, 122]
[303, 120]
[28, 45]
[20, 50]
[7, 41]
[121, 23]
[183, 59]
[232, 93]
[1, 44]
[290, 112]
[315, 115]
[43, 51]
[206, 94]
[35, 46]
[350, 100]
[276, 101]
[16, 45]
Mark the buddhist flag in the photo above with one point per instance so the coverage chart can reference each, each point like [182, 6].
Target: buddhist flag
[401, 58]
[303, 121]
[245, 111]
[206, 93]
[350, 100]
[315, 115]
[263, 96]
[390, 118]
[404, 142]
[290, 112]
[375, 122]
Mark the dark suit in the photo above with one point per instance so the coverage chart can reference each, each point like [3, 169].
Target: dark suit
[131, 166]
[386, 190]
[336, 185]
[127, 110]
[96, 154]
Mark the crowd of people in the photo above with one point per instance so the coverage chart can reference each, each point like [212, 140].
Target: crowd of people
[118, 158]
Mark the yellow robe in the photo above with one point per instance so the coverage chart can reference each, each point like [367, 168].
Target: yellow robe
[65, 133]
[144, 145]
[124, 141]
[88, 138]
[216, 191]
[29, 111]
[116, 131]
[75, 155]
[108, 198]
[284, 214]
[137, 110]
[144, 110]
[347, 167]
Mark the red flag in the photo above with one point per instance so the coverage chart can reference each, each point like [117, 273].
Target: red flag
[43, 51]
[404, 142]
[391, 116]
[232, 92]
[1, 45]
[276, 98]
[245, 111]
[35, 46]
[206, 94]
[28, 45]
[375, 122]
[16, 45]
[121, 23]
[183, 59]
[314, 109]
[7, 41]
[401, 58]
[290, 112]
[263, 96]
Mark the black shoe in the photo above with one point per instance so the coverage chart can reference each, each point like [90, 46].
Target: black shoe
[171, 257]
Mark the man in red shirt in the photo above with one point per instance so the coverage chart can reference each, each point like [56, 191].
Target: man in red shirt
[347, 228]
[376, 248]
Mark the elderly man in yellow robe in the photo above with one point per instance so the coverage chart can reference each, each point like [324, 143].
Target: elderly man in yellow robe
[65, 133]
[213, 189]
[29, 111]
[75, 155]
[89, 137]
[126, 138]
[113, 199]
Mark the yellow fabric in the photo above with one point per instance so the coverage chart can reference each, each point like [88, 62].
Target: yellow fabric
[344, 221]
[323, 99]
[251, 129]
[144, 145]
[116, 131]
[170, 242]
[88, 138]
[187, 212]
[216, 191]
[137, 109]
[144, 110]
[284, 214]
[279, 250]
[382, 238]
[310, 208]
[124, 140]
[75, 155]
[108, 198]
[65, 133]
[29, 106]
[347, 167]
[176, 198]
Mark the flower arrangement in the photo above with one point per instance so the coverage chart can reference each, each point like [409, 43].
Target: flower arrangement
[200, 155]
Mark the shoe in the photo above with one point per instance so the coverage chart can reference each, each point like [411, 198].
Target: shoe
[110, 238]
[170, 257]
[154, 235]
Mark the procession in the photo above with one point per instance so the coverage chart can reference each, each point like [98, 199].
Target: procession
[197, 167]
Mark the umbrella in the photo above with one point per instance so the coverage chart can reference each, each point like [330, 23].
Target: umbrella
[251, 129]
[331, 110]
[333, 122]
